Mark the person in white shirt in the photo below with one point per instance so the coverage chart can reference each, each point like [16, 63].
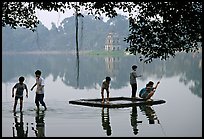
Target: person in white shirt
[39, 90]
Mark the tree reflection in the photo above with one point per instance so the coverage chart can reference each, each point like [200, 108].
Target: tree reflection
[188, 67]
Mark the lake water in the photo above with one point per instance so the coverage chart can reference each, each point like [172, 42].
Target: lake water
[68, 79]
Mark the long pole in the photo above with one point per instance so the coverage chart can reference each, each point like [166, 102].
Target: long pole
[77, 47]
[159, 123]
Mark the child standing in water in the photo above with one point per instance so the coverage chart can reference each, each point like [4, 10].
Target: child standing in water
[105, 86]
[20, 86]
[39, 95]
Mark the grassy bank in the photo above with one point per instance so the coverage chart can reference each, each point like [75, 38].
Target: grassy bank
[106, 53]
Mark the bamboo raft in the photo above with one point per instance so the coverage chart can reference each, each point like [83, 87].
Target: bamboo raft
[116, 102]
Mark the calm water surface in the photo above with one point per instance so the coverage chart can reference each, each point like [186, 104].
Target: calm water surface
[68, 79]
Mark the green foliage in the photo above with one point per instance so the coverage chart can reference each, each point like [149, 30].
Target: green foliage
[160, 30]
[19, 14]
[91, 37]
[176, 28]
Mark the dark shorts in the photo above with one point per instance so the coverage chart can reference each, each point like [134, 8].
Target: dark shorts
[17, 97]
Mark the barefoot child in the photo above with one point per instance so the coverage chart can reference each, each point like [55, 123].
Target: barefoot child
[20, 86]
[148, 91]
[39, 95]
[105, 86]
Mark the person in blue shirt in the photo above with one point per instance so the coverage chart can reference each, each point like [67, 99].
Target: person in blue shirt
[148, 91]
[20, 86]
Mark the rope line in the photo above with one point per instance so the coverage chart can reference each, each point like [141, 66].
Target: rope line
[158, 121]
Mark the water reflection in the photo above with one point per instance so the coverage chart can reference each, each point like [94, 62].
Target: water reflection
[77, 66]
[106, 121]
[112, 65]
[18, 126]
[150, 113]
[151, 116]
[40, 124]
[185, 65]
[134, 120]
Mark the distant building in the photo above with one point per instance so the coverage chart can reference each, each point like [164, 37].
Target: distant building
[112, 42]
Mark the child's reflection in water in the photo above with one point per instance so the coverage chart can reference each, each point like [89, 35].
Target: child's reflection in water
[19, 125]
[106, 121]
[40, 124]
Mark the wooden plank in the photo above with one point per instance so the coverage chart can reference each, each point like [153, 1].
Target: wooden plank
[114, 102]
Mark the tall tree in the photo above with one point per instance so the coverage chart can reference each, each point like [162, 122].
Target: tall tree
[164, 28]
[159, 30]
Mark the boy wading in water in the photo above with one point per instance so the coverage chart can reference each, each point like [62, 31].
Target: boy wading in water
[39, 90]
[105, 86]
[20, 86]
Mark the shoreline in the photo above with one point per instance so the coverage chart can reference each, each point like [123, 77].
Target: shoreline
[42, 52]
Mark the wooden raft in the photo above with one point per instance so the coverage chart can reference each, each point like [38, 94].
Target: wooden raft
[116, 102]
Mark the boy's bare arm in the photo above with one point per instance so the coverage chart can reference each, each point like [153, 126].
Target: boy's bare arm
[157, 85]
[13, 92]
[26, 92]
[33, 86]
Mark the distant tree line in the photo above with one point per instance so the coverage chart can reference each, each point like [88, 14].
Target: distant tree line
[159, 30]
[92, 35]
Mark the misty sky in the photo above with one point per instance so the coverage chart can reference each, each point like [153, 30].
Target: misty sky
[48, 17]
[57, 17]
